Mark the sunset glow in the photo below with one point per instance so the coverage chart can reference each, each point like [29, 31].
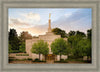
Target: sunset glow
[35, 20]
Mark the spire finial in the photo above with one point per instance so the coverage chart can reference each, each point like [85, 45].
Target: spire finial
[49, 27]
[49, 15]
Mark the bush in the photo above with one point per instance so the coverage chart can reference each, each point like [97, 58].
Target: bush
[37, 60]
[62, 60]
[29, 59]
[15, 51]
[22, 47]
[22, 54]
[11, 60]
[11, 57]
[23, 59]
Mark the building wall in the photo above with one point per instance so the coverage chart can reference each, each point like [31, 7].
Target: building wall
[49, 37]
[18, 57]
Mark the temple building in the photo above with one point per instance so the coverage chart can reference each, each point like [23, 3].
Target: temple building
[49, 37]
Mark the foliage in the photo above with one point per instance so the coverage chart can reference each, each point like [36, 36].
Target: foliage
[25, 59]
[22, 47]
[18, 43]
[73, 40]
[71, 33]
[15, 51]
[25, 35]
[58, 31]
[37, 60]
[79, 44]
[81, 34]
[10, 49]
[59, 47]
[22, 54]
[84, 47]
[40, 47]
[89, 33]
[12, 33]
[29, 58]
[13, 39]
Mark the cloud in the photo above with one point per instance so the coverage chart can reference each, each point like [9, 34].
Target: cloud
[17, 22]
[32, 16]
[36, 30]
[68, 14]
[79, 20]
[26, 20]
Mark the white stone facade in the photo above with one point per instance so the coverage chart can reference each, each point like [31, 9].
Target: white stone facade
[49, 37]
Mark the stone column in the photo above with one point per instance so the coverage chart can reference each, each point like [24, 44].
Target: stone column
[49, 28]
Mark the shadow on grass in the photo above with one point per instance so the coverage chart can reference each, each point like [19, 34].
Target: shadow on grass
[73, 61]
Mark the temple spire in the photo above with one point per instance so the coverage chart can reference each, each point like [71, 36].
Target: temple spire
[49, 28]
[49, 15]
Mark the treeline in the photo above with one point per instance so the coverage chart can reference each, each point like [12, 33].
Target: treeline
[78, 44]
[17, 43]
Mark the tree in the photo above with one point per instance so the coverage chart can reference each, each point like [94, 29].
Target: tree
[81, 34]
[58, 31]
[89, 34]
[12, 33]
[40, 47]
[59, 46]
[73, 42]
[10, 49]
[71, 33]
[13, 39]
[84, 48]
[25, 35]
[22, 47]
[80, 44]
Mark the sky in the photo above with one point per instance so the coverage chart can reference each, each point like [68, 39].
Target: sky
[35, 20]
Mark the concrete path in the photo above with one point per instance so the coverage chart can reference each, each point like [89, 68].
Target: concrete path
[50, 61]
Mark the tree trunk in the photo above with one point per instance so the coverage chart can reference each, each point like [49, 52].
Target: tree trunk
[60, 57]
[87, 58]
[45, 57]
[39, 56]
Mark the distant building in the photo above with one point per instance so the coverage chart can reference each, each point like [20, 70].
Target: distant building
[49, 37]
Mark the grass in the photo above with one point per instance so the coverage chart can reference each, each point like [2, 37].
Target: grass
[10, 59]
[70, 60]
[29, 59]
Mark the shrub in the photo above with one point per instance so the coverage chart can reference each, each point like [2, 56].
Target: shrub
[11, 60]
[11, 57]
[36, 60]
[15, 51]
[23, 59]
[22, 54]
[29, 59]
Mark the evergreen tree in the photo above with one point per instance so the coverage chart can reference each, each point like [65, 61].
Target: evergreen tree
[13, 39]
